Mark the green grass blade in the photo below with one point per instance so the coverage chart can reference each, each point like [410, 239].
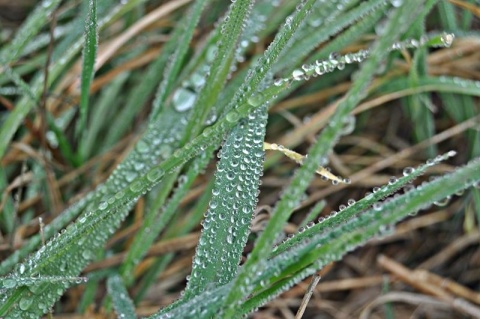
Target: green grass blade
[312, 214]
[227, 223]
[263, 65]
[447, 16]
[110, 96]
[189, 222]
[321, 250]
[88, 65]
[178, 57]
[7, 217]
[232, 28]
[50, 229]
[114, 208]
[347, 213]
[165, 129]
[121, 302]
[158, 220]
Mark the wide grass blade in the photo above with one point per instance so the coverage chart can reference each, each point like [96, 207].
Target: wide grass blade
[227, 223]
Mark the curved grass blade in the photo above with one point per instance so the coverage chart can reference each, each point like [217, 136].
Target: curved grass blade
[190, 222]
[15, 78]
[257, 74]
[15, 282]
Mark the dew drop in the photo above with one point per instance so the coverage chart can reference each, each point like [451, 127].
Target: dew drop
[348, 125]
[451, 153]
[396, 3]
[197, 80]
[25, 303]
[119, 195]
[288, 22]
[183, 99]
[350, 202]
[443, 202]
[447, 39]
[165, 150]
[9, 283]
[408, 170]
[256, 99]
[154, 174]
[232, 116]
[102, 205]
[87, 254]
[142, 146]
[136, 186]
[392, 180]
[320, 69]
[297, 74]
[334, 56]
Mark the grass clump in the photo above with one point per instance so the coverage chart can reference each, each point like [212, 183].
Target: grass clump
[113, 112]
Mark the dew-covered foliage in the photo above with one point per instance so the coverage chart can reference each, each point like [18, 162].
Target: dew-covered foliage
[143, 141]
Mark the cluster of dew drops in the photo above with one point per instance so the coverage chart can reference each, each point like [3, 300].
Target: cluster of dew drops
[336, 61]
[378, 206]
